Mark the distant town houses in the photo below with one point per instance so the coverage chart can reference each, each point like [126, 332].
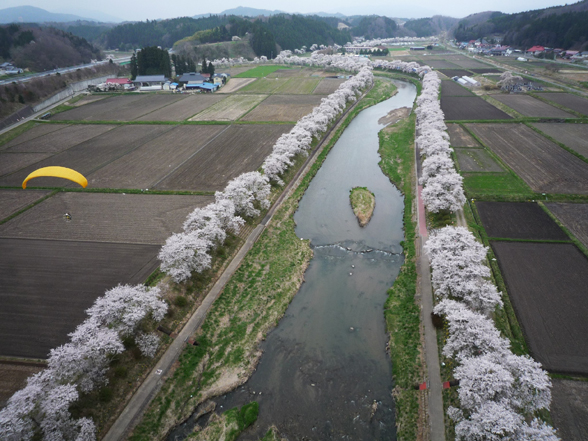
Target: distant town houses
[9, 69]
[493, 47]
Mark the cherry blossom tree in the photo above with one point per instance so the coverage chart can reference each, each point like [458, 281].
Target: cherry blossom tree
[184, 253]
[444, 192]
[245, 191]
[148, 344]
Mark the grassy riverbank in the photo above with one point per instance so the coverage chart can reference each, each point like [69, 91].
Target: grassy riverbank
[401, 312]
[363, 203]
[251, 304]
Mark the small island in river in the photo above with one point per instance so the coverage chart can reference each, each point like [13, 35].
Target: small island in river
[363, 203]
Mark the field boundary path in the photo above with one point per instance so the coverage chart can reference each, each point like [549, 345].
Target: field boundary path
[138, 403]
[434, 386]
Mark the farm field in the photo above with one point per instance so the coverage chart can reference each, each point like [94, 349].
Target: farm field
[155, 159]
[518, 220]
[47, 285]
[470, 108]
[459, 137]
[546, 283]
[289, 73]
[13, 376]
[528, 106]
[259, 71]
[183, 109]
[453, 88]
[543, 165]
[235, 84]
[12, 200]
[574, 217]
[87, 100]
[229, 109]
[450, 73]
[328, 86]
[476, 160]
[239, 149]
[57, 140]
[568, 100]
[122, 103]
[37, 131]
[468, 63]
[89, 156]
[263, 85]
[573, 136]
[569, 408]
[442, 64]
[486, 70]
[105, 217]
[298, 85]
[283, 108]
[11, 162]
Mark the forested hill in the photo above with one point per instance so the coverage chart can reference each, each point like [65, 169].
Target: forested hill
[375, 26]
[561, 26]
[40, 48]
[426, 27]
[294, 31]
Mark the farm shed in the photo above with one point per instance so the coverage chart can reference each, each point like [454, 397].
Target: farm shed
[208, 87]
[150, 82]
[192, 78]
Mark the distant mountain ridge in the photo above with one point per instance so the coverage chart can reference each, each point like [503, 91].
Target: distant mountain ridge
[244, 11]
[31, 14]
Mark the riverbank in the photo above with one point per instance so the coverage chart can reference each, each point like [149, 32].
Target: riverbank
[363, 203]
[401, 311]
[251, 304]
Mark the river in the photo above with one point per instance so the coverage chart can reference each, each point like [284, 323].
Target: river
[325, 373]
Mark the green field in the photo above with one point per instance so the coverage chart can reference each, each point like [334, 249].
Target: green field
[264, 85]
[259, 71]
[299, 85]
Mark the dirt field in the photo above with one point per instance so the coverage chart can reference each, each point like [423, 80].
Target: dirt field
[569, 409]
[468, 63]
[518, 220]
[58, 140]
[13, 200]
[13, 377]
[87, 100]
[486, 70]
[183, 109]
[241, 148]
[47, 285]
[450, 73]
[574, 217]
[328, 86]
[139, 219]
[543, 165]
[264, 85]
[547, 287]
[442, 64]
[289, 73]
[90, 156]
[568, 100]
[469, 108]
[476, 160]
[37, 131]
[102, 107]
[11, 162]
[283, 108]
[229, 109]
[574, 136]
[452, 88]
[528, 106]
[459, 137]
[235, 84]
[155, 159]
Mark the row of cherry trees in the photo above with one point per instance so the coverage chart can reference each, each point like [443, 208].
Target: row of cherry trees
[499, 392]
[206, 228]
[41, 409]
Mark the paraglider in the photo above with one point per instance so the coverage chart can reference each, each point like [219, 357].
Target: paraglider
[57, 172]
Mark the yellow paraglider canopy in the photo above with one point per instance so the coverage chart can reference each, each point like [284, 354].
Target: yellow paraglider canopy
[57, 172]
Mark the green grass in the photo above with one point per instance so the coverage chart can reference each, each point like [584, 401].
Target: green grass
[478, 185]
[298, 85]
[263, 85]
[260, 71]
[229, 425]
[401, 311]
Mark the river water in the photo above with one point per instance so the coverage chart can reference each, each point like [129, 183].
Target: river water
[325, 373]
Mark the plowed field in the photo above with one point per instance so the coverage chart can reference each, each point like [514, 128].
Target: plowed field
[543, 165]
[453, 88]
[264, 85]
[102, 107]
[37, 131]
[459, 137]
[528, 106]
[155, 159]
[574, 217]
[241, 148]
[569, 408]
[450, 73]
[518, 220]
[229, 109]
[476, 160]
[11, 162]
[235, 84]
[13, 200]
[568, 100]
[183, 109]
[574, 136]
[283, 108]
[469, 108]
[547, 287]
[89, 156]
[328, 86]
[104, 217]
[48, 284]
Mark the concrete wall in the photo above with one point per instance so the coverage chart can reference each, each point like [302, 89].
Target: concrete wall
[67, 92]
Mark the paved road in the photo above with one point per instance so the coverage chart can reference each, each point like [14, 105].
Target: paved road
[149, 388]
[435, 386]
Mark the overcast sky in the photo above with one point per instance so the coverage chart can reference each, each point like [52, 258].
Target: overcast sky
[153, 9]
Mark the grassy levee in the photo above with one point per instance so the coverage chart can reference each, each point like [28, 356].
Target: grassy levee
[401, 312]
[229, 425]
[251, 304]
